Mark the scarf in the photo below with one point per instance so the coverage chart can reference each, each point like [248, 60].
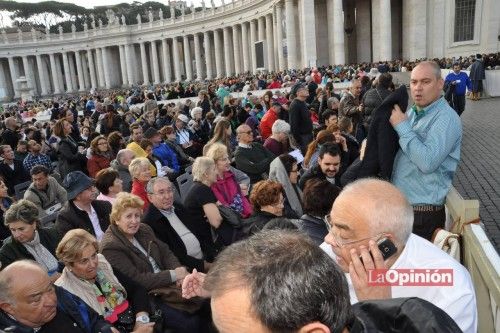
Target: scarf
[41, 254]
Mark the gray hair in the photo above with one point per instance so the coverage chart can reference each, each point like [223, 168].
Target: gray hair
[280, 126]
[196, 110]
[121, 154]
[136, 165]
[151, 184]
[23, 210]
[200, 167]
[330, 101]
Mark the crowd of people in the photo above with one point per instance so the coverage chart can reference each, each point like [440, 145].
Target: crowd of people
[130, 216]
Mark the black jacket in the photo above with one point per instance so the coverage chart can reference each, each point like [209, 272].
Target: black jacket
[167, 234]
[13, 177]
[69, 157]
[314, 227]
[70, 217]
[315, 172]
[382, 142]
[12, 250]
[257, 221]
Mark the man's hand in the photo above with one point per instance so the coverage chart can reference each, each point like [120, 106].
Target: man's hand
[192, 286]
[397, 116]
[360, 270]
[341, 141]
[181, 273]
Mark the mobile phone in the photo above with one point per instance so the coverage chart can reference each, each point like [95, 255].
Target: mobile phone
[386, 246]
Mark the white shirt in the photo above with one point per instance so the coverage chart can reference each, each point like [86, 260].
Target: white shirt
[190, 241]
[94, 219]
[458, 301]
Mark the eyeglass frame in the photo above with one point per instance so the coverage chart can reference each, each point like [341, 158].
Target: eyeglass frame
[341, 244]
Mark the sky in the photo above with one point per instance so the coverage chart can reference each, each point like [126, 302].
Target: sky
[92, 3]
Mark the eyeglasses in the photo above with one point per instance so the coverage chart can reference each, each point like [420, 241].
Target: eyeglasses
[163, 192]
[340, 243]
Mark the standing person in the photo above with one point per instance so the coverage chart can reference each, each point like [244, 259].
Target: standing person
[460, 80]
[350, 106]
[477, 75]
[430, 136]
[300, 121]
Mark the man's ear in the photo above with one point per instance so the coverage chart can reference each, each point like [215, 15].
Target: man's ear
[6, 307]
[315, 327]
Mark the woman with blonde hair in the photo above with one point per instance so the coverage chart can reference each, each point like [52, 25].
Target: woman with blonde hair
[140, 172]
[222, 134]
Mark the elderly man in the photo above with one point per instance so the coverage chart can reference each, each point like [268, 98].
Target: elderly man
[328, 165]
[350, 106]
[251, 157]
[369, 211]
[35, 157]
[45, 192]
[29, 303]
[430, 136]
[82, 209]
[298, 291]
[171, 224]
[279, 143]
[11, 170]
[10, 135]
[301, 125]
[120, 164]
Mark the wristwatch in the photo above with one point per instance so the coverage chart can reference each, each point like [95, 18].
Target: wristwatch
[142, 319]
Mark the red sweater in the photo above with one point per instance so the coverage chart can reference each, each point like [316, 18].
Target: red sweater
[266, 123]
[139, 189]
[96, 163]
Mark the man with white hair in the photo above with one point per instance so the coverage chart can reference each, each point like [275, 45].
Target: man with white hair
[120, 164]
[369, 211]
[278, 143]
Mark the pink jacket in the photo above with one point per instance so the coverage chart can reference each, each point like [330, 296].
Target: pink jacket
[226, 188]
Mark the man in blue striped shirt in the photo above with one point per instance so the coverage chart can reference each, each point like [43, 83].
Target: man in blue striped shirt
[430, 136]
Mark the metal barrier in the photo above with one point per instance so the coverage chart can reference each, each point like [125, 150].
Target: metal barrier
[480, 258]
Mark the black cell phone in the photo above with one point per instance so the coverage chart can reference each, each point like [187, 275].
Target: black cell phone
[386, 246]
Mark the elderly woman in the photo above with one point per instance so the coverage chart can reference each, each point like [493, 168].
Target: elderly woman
[196, 124]
[89, 276]
[132, 248]
[285, 170]
[226, 188]
[140, 172]
[201, 202]
[319, 196]
[100, 155]
[278, 142]
[109, 184]
[267, 200]
[184, 137]
[27, 240]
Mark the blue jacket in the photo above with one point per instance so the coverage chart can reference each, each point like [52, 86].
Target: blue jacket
[460, 86]
[166, 156]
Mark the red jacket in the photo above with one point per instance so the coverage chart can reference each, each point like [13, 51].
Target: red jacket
[267, 123]
[139, 189]
[274, 85]
[96, 163]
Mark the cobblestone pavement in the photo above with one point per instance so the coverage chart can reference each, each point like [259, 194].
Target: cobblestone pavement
[478, 174]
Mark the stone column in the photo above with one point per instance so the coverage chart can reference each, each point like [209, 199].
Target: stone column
[13, 76]
[244, 47]
[54, 71]
[363, 31]
[385, 30]
[130, 67]
[415, 18]
[85, 69]
[291, 34]
[106, 67]
[253, 38]
[197, 56]
[28, 74]
[208, 54]
[144, 62]
[270, 42]
[41, 74]
[279, 36]
[79, 70]
[218, 54]
[167, 72]
[60, 66]
[308, 44]
[93, 79]
[123, 64]
[67, 74]
[72, 72]
[260, 28]
[177, 62]
[187, 59]
[227, 51]
[156, 65]
[100, 69]
[338, 32]
[236, 48]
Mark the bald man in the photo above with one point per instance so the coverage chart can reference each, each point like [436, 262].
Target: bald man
[29, 302]
[430, 136]
[365, 213]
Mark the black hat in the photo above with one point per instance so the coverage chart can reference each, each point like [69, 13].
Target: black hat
[75, 183]
[151, 133]
[297, 87]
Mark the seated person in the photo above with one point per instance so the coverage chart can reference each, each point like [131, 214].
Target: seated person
[285, 170]
[83, 211]
[36, 157]
[278, 142]
[132, 248]
[140, 171]
[89, 276]
[12, 170]
[109, 184]
[327, 167]
[28, 241]
[5, 202]
[45, 192]
[120, 164]
[172, 225]
[268, 202]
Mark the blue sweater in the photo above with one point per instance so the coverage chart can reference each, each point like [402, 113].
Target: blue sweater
[460, 86]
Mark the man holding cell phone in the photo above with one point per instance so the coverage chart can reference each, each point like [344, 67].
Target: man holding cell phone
[461, 82]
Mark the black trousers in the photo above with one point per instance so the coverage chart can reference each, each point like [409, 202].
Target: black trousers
[424, 223]
[459, 103]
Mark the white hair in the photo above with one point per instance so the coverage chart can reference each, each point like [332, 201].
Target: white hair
[280, 126]
[196, 110]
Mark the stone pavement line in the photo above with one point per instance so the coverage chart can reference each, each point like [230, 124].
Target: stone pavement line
[478, 174]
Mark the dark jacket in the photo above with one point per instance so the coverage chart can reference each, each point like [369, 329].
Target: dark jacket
[382, 142]
[300, 120]
[253, 161]
[124, 175]
[167, 234]
[371, 101]
[11, 138]
[315, 172]
[257, 221]
[69, 157]
[13, 177]
[314, 227]
[12, 250]
[405, 315]
[70, 217]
